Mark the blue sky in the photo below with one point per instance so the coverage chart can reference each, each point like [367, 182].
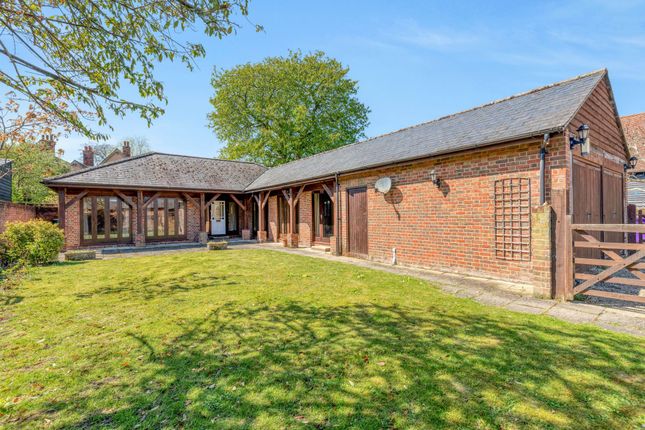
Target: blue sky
[414, 61]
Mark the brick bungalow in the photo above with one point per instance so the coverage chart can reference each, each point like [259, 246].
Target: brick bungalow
[481, 191]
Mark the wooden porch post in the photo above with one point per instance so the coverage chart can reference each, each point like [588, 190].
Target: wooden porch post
[140, 235]
[292, 213]
[203, 234]
[61, 209]
[562, 246]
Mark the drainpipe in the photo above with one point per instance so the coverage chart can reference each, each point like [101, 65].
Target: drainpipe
[337, 204]
[543, 153]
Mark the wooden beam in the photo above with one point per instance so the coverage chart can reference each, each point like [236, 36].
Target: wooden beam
[123, 197]
[295, 201]
[202, 212]
[238, 202]
[617, 296]
[266, 199]
[61, 208]
[257, 199]
[75, 199]
[601, 262]
[640, 283]
[215, 197]
[329, 192]
[621, 228]
[140, 212]
[626, 262]
[150, 200]
[611, 254]
[609, 245]
[191, 199]
[292, 213]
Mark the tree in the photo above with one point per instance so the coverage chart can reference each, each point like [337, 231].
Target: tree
[32, 163]
[138, 145]
[286, 108]
[81, 52]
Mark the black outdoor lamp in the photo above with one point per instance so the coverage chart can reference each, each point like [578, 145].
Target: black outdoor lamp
[582, 140]
[434, 178]
[632, 163]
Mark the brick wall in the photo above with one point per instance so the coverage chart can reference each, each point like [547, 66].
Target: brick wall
[12, 212]
[273, 219]
[192, 220]
[452, 227]
[305, 219]
[72, 224]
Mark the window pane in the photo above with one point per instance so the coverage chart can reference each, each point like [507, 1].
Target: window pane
[181, 213]
[125, 220]
[171, 217]
[87, 218]
[316, 211]
[100, 218]
[113, 221]
[161, 218]
[232, 216]
[150, 220]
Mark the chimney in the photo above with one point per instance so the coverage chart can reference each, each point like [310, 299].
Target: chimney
[88, 156]
[126, 149]
[49, 143]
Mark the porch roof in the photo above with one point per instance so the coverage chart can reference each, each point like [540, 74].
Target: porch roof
[164, 171]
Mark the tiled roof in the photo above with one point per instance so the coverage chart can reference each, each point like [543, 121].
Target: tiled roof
[543, 110]
[634, 128]
[547, 109]
[165, 171]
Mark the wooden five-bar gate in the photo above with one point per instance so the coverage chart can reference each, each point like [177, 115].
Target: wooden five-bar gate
[601, 254]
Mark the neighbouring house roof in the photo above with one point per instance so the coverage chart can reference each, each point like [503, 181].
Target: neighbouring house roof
[165, 171]
[115, 155]
[543, 110]
[634, 128]
[547, 109]
[636, 192]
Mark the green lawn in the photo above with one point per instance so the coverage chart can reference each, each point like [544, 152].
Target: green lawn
[262, 339]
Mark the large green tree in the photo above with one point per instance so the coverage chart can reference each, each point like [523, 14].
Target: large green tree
[30, 164]
[286, 108]
[71, 58]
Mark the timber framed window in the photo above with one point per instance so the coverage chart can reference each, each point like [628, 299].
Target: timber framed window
[105, 219]
[513, 219]
[165, 219]
[283, 216]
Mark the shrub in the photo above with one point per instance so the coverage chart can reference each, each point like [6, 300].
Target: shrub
[31, 243]
[214, 246]
[80, 255]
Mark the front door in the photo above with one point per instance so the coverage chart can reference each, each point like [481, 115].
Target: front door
[218, 217]
[323, 214]
[357, 221]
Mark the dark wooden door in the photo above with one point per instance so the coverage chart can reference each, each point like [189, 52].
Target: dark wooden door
[612, 202]
[357, 220]
[587, 199]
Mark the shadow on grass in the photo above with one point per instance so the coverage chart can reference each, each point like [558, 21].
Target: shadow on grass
[373, 366]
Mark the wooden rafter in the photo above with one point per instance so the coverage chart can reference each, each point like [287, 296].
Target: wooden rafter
[125, 198]
[150, 200]
[295, 201]
[287, 195]
[329, 192]
[266, 199]
[75, 199]
[190, 199]
[238, 202]
[257, 198]
[215, 197]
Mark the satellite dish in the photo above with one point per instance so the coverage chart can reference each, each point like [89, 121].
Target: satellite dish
[383, 185]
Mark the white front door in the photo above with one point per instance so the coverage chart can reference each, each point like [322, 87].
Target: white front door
[218, 216]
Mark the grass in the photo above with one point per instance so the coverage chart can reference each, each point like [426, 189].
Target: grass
[262, 339]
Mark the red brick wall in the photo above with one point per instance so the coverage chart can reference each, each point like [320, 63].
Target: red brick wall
[12, 212]
[72, 224]
[451, 227]
[305, 219]
[273, 219]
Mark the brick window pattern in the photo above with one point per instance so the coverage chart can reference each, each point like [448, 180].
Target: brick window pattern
[513, 219]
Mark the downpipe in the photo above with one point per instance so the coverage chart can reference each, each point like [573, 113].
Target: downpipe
[543, 153]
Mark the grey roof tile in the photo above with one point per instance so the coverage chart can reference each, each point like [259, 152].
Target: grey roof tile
[545, 109]
[164, 171]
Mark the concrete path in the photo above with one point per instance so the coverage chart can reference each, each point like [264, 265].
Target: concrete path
[494, 293]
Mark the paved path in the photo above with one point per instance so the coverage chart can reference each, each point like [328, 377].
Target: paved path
[494, 293]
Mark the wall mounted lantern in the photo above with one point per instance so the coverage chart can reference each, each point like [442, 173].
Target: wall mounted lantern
[582, 140]
[434, 178]
[631, 163]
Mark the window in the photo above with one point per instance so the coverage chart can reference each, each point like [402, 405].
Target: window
[105, 219]
[513, 219]
[232, 216]
[283, 216]
[166, 218]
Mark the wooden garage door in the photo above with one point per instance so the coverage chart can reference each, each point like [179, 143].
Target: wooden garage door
[612, 202]
[357, 220]
[587, 198]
